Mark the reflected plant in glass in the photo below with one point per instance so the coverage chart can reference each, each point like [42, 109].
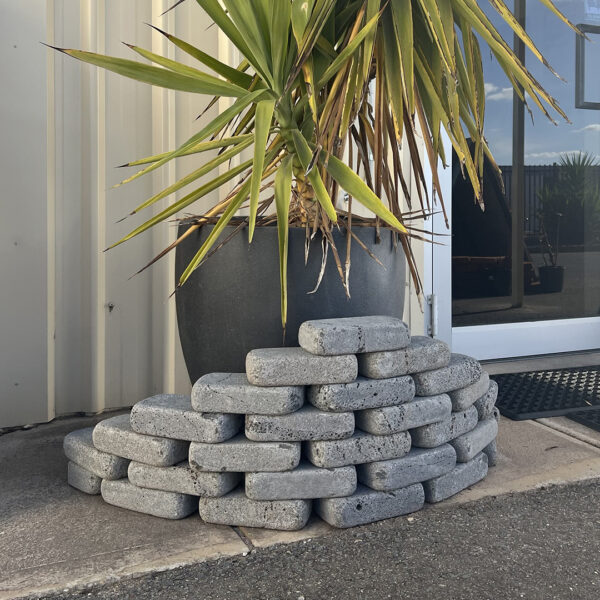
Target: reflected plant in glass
[570, 201]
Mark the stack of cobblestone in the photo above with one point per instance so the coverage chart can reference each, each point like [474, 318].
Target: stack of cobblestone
[359, 423]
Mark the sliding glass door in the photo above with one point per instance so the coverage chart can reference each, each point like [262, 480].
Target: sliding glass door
[526, 271]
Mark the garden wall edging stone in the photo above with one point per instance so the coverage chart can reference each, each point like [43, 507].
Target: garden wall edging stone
[417, 425]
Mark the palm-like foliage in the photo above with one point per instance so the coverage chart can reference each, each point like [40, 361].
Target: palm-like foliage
[303, 98]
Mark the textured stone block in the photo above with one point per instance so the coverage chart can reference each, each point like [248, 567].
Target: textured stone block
[422, 354]
[237, 510]
[304, 482]
[172, 416]
[232, 393]
[327, 337]
[420, 464]
[461, 477]
[183, 479]
[82, 479]
[465, 397]
[391, 419]
[79, 448]
[116, 435]
[436, 434]
[362, 394]
[470, 444]
[491, 451]
[241, 454]
[460, 372]
[308, 423]
[360, 448]
[295, 366]
[168, 505]
[485, 405]
[367, 506]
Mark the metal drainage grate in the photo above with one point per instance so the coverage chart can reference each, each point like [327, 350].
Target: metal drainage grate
[548, 393]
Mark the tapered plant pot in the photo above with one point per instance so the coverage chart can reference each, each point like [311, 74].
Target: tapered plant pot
[552, 278]
[231, 304]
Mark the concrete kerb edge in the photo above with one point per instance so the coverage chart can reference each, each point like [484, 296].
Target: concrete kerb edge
[188, 558]
[571, 433]
[181, 559]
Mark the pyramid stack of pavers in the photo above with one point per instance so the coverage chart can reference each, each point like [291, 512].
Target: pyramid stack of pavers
[360, 423]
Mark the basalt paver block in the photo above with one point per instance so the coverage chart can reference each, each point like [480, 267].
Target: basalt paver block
[470, 444]
[116, 435]
[460, 372]
[79, 448]
[461, 477]
[417, 412]
[172, 416]
[183, 479]
[241, 455]
[422, 354]
[308, 423]
[367, 506]
[419, 465]
[436, 434]
[304, 482]
[491, 451]
[82, 479]
[485, 405]
[360, 448]
[168, 505]
[232, 393]
[295, 366]
[327, 337]
[465, 397]
[362, 393]
[236, 509]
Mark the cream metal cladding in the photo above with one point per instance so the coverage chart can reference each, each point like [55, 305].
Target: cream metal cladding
[76, 335]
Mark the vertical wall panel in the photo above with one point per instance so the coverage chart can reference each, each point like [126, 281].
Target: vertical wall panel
[72, 349]
[127, 306]
[23, 235]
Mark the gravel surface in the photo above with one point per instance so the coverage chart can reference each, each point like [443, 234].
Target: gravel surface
[542, 545]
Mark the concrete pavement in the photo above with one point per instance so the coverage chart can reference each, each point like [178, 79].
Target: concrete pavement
[538, 545]
[53, 537]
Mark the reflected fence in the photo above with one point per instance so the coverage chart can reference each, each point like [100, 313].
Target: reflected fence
[569, 191]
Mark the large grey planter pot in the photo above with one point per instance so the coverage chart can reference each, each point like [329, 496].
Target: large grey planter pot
[231, 304]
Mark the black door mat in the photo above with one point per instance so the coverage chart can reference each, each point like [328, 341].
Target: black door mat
[589, 418]
[540, 394]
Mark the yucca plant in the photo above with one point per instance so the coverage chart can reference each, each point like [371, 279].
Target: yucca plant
[326, 93]
[570, 200]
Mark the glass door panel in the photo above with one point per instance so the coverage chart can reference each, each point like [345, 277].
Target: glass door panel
[533, 256]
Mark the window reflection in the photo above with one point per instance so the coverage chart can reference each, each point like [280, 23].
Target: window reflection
[560, 192]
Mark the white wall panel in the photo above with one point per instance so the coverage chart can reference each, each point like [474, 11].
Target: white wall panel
[23, 220]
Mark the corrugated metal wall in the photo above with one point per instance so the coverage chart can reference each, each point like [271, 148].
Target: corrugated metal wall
[76, 334]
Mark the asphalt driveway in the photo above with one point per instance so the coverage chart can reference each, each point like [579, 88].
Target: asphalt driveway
[542, 544]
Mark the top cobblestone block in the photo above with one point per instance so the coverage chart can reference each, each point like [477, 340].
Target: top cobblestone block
[352, 335]
[460, 372]
[295, 366]
[422, 354]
